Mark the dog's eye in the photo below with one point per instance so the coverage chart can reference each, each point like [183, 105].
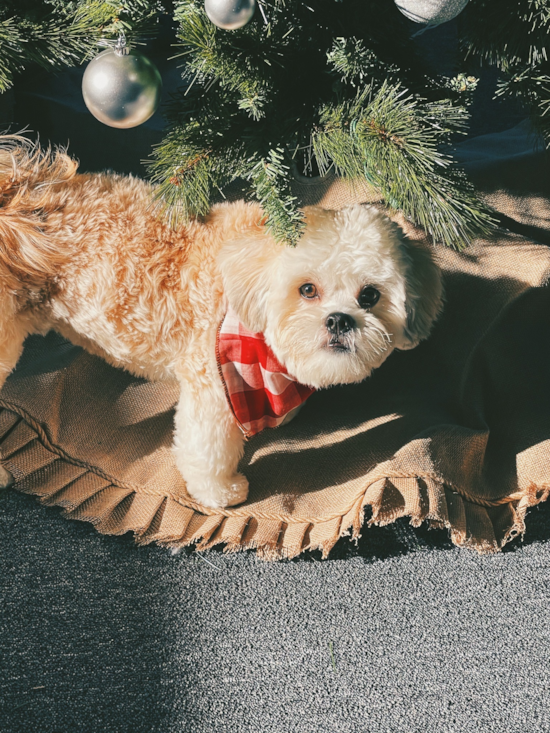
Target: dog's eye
[368, 297]
[308, 291]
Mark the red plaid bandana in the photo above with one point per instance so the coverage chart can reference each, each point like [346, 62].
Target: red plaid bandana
[259, 390]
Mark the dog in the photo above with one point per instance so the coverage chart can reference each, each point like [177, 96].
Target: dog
[84, 254]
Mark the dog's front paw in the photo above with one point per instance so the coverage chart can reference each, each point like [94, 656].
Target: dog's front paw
[6, 479]
[218, 493]
[237, 491]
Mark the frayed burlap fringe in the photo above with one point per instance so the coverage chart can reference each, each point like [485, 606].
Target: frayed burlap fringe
[88, 494]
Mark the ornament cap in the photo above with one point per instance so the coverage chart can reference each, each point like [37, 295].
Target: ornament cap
[120, 46]
[121, 49]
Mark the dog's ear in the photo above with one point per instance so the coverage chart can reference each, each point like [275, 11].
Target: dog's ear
[424, 292]
[247, 265]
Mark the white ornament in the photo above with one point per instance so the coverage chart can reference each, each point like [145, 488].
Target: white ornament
[431, 12]
[230, 14]
[121, 87]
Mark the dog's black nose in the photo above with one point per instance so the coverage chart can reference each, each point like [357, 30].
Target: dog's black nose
[339, 323]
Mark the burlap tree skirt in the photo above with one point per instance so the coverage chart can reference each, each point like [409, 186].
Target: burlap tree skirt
[455, 432]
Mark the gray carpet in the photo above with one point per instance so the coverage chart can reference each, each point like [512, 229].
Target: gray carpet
[404, 633]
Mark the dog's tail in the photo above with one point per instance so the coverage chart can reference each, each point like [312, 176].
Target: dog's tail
[28, 177]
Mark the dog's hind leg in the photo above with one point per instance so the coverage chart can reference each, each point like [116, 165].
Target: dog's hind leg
[12, 336]
[6, 479]
[13, 331]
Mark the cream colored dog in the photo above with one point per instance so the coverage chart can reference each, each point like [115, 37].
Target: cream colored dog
[84, 255]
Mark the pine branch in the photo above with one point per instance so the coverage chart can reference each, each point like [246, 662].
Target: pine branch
[514, 39]
[202, 151]
[207, 147]
[56, 34]
[271, 180]
[309, 84]
[356, 64]
[10, 43]
[532, 87]
[507, 36]
[393, 141]
[210, 59]
[188, 191]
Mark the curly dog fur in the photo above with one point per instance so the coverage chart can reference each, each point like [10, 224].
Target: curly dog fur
[85, 255]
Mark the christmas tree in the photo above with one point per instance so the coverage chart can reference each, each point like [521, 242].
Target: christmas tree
[56, 33]
[307, 88]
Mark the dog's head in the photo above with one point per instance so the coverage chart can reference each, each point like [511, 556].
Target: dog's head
[334, 307]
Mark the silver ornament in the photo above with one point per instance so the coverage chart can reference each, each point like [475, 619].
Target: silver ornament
[431, 12]
[230, 14]
[121, 87]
